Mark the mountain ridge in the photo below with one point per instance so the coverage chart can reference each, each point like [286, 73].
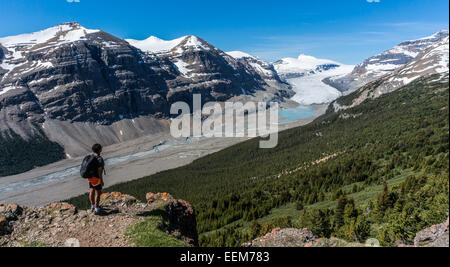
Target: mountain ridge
[386, 62]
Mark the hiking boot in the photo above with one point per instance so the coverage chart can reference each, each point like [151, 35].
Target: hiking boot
[97, 211]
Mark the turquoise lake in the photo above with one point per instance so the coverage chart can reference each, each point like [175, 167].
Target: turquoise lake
[291, 115]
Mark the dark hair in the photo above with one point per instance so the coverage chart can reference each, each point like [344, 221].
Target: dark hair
[97, 148]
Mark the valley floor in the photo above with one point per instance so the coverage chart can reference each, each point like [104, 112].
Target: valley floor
[41, 186]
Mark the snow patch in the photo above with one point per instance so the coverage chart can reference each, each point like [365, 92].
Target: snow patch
[6, 89]
[239, 55]
[182, 67]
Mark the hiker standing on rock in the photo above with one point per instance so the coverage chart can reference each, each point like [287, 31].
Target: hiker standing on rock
[92, 169]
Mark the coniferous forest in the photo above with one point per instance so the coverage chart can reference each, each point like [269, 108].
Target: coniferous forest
[377, 170]
[18, 155]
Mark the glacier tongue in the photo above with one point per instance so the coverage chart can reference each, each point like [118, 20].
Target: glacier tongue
[310, 89]
[306, 75]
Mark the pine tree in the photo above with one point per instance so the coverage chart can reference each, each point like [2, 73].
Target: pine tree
[255, 229]
[339, 215]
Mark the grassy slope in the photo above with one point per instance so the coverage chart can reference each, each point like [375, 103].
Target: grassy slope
[150, 233]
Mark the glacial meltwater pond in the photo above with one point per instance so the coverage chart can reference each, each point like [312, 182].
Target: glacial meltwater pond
[300, 112]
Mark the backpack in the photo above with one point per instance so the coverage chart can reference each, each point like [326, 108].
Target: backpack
[88, 165]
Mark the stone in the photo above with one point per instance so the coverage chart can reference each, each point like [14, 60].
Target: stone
[61, 207]
[434, 236]
[3, 226]
[116, 198]
[152, 197]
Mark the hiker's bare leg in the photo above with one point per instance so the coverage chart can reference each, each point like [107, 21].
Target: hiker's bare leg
[97, 198]
[92, 196]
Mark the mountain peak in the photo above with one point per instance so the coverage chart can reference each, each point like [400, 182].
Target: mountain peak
[62, 33]
[154, 44]
[440, 34]
[70, 23]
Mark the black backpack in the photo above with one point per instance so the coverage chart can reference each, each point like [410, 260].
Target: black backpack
[88, 167]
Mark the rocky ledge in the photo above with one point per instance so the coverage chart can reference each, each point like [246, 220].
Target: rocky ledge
[62, 224]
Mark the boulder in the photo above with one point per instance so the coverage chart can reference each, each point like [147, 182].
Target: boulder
[61, 207]
[182, 218]
[435, 236]
[152, 197]
[3, 226]
[10, 211]
[181, 215]
[289, 237]
[116, 198]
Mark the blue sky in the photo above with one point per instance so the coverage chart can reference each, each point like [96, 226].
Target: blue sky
[347, 31]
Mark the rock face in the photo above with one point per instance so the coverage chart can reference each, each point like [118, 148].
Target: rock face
[55, 224]
[181, 215]
[377, 66]
[435, 236]
[69, 79]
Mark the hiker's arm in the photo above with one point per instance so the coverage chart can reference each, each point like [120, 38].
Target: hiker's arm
[100, 175]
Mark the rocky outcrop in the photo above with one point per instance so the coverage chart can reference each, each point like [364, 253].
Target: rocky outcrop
[292, 237]
[435, 236]
[8, 213]
[62, 224]
[181, 215]
[284, 238]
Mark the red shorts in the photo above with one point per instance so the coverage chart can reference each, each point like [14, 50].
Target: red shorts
[95, 183]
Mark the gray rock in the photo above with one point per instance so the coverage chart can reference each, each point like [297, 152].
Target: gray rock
[435, 236]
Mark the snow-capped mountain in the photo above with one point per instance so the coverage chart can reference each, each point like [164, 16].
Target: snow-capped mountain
[434, 60]
[375, 67]
[176, 50]
[307, 75]
[257, 67]
[77, 84]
